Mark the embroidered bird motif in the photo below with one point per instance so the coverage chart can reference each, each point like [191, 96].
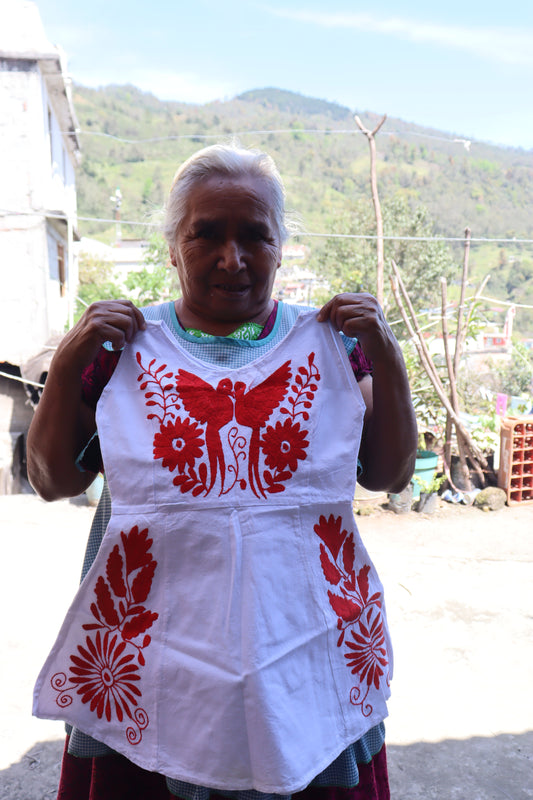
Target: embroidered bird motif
[253, 409]
[212, 407]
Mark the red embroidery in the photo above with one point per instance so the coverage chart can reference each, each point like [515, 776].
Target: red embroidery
[103, 671]
[284, 445]
[179, 444]
[356, 611]
[211, 451]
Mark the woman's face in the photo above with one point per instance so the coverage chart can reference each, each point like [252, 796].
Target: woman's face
[226, 253]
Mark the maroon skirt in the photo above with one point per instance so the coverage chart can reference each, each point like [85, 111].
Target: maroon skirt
[113, 777]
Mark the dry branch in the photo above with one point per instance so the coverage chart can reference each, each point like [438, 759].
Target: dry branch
[428, 365]
[370, 135]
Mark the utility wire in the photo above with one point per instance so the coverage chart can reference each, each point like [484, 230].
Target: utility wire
[300, 234]
[323, 132]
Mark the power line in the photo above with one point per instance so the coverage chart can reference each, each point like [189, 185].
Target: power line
[280, 131]
[300, 234]
[416, 238]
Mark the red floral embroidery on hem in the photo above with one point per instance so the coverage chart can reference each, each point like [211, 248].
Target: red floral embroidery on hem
[357, 611]
[103, 670]
[105, 676]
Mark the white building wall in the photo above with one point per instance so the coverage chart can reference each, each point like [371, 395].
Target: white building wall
[24, 323]
[58, 177]
[38, 183]
[20, 137]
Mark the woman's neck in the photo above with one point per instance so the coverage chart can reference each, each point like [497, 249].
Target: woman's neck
[217, 327]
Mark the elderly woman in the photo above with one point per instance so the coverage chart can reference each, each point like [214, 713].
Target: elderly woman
[229, 635]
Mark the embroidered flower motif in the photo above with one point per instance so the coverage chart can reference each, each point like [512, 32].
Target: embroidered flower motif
[368, 654]
[358, 611]
[105, 677]
[103, 671]
[179, 444]
[284, 445]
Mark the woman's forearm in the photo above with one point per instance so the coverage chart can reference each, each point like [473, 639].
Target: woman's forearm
[388, 447]
[63, 423]
[61, 427]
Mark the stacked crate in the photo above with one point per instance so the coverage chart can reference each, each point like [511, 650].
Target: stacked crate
[515, 475]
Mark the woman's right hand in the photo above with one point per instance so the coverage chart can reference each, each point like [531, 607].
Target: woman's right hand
[115, 321]
[63, 424]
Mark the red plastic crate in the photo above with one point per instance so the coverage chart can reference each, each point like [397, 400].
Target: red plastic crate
[515, 475]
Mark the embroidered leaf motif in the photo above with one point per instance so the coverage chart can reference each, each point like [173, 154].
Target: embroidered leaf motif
[105, 602]
[140, 588]
[348, 553]
[114, 572]
[343, 607]
[275, 488]
[134, 610]
[272, 486]
[362, 582]
[331, 573]
[136, 547]
[330, 532]
[139, 624]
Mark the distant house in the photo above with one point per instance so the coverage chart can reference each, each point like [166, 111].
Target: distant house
[39, 151]
[126, 256]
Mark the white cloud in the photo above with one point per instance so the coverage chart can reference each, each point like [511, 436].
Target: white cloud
[508, 45]
[187, 87]
[166, 85]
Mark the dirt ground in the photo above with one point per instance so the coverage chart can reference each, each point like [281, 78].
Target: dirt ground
[458, 586]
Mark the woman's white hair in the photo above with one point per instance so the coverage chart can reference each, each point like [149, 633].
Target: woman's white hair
[231, 161]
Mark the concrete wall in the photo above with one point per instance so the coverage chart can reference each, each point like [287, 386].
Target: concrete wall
[38, 185]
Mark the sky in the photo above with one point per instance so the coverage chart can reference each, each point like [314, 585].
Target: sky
[464, 68]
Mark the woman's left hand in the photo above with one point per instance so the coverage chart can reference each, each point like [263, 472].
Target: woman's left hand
[359, 316]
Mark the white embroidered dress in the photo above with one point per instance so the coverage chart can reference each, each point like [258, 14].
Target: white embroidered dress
[231, 631]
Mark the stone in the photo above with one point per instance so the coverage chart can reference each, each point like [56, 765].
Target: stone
[490, 499]
[365, 511]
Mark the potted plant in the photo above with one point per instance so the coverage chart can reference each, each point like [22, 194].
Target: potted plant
[428, 489]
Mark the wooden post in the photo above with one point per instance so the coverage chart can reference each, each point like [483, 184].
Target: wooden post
[460, 336]
[462, 328]
[454, 399]
[370, 135]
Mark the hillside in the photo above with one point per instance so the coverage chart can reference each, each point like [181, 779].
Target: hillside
[324, 161]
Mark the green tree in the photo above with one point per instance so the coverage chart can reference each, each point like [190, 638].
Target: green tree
[349, 265]
[157, 280]
[520, 280]
[95, 283]
[516, 377]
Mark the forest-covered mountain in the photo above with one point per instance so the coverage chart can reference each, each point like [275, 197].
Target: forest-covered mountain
[486, 187]
[324, 160]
